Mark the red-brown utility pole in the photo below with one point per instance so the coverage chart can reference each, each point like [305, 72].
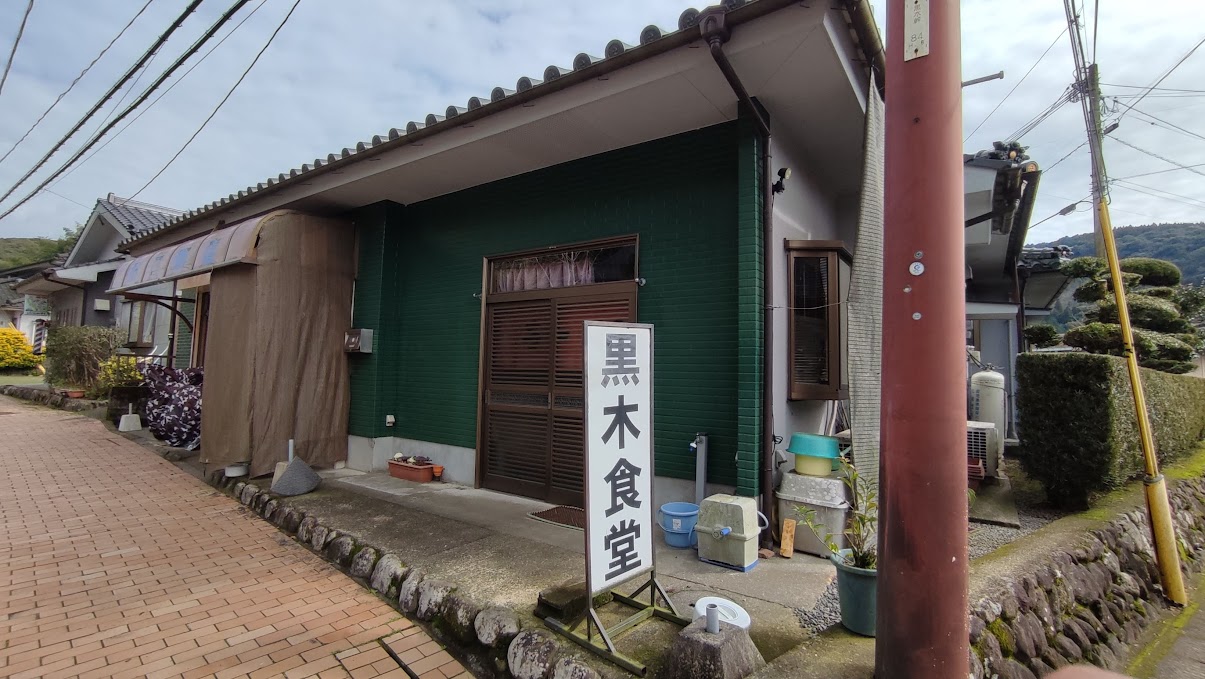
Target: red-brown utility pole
[922, 571]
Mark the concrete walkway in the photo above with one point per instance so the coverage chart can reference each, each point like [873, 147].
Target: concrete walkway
[113, 562]
[1186, 659]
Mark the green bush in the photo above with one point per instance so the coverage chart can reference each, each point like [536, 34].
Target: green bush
[74, 353]
[15, 352]
[1105, 338]
[1151, 313]
[1041, 335]
[1160, 292]
[1153, 271]
[1084, 267]
[1077, 426]
[1096, 291]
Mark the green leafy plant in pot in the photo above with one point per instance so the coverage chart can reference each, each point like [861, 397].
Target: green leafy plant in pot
[857, 577]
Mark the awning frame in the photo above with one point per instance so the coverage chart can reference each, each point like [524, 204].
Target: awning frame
[234, 244]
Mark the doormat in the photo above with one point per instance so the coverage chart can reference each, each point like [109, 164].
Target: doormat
[570, 517]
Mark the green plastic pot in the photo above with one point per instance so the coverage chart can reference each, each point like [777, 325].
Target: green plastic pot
[858, 590]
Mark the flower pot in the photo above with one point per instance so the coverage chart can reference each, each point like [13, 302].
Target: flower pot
[73, 393]
[419, 473]
[858, 589]
[437, 471]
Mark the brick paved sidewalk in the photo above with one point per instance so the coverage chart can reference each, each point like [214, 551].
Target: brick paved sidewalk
[115, 563]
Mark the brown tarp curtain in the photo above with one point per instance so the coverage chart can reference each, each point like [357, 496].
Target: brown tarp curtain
[274, 362]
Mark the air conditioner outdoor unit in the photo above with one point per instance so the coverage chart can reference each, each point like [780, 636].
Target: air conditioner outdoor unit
[983, 450]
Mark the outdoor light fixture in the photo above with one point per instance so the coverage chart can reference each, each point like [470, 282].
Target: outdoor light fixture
[784, 173]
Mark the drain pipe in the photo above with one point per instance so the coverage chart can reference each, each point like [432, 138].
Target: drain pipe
[713, 29]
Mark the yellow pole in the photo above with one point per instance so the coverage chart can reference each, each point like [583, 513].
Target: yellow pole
[1167, 553]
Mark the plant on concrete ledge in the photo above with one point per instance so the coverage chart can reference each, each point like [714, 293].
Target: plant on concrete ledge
[857, 583]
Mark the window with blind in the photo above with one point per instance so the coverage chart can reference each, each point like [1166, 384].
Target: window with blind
[818, 275]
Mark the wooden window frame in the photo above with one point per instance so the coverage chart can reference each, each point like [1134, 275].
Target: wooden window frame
[491, 261]
[836, 253]
[139, 343]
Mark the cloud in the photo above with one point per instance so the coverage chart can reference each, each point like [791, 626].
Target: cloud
[341, 72]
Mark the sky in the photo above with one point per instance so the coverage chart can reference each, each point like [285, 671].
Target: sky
[340, 72]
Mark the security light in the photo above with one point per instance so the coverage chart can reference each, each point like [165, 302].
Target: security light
[784, 173]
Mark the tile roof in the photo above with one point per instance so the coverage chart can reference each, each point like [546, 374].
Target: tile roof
[136, 217]
[616, 53]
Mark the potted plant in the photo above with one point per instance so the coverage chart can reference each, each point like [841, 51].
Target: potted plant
[415, 468]
[857, 577]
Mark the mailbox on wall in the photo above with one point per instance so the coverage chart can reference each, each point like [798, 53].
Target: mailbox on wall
[358, 341]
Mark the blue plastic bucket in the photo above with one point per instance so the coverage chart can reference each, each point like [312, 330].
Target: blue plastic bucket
[677, 520]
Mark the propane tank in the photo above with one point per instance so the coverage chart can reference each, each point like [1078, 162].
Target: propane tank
[988, 405]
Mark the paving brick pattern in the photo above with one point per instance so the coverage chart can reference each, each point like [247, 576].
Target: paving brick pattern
[114, 563]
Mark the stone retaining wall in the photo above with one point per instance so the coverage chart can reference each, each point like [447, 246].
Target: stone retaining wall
[488, 639]
[1083, 603]
[50, 398]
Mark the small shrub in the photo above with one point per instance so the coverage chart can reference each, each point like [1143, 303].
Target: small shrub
[1105, 338]
[1151, 313]
[15, 352]
[1076, 419]
[1041, 335]
[1153, 271]
[1084, 267]
[1169, 366]
[1100, 290]
[74, 353]
[117, 371]
[1162, 292]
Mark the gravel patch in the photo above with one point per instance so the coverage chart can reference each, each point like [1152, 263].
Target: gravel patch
[825, 614]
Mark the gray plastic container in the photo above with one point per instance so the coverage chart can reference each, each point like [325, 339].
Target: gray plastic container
[827, 496]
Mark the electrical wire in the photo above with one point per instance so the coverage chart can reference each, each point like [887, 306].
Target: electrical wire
[1056, 163]
[217, 108]
[1037, 120]
[74, 82]
[1014, 89]
[1152, 154]
[192, 49]
[1153, 89]
[20, 32]
[1173, 169]
[1164, 76]
[142, 60]
[163, 94]
[1167, 195]
[1159, 122]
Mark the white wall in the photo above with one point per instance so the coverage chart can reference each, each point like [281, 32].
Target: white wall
[804, 211]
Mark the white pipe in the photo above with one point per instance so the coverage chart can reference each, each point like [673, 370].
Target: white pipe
[290, 450]
[713, 619]
[700, 447]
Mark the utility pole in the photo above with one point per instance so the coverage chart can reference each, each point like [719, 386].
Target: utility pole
[922, 630]
[1163, 530]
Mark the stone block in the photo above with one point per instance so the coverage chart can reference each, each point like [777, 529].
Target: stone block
[408, 591]
[531, 655]
[268, 508]
[291, 520]
[362, 565]
[322, 537]
[387, 576]
[1011, 669]
[730, 654]
[570, 667]
[496, 626]
[297, 479]
[1030, 636]
[431, 595]
[248, 494]
[564, 602]
[1067, 648]
[977, 628]
[339, 550]
[459, 614]
[305, 530]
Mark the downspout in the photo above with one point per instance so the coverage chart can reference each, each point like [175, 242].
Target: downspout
[713, 29]
[861, 19]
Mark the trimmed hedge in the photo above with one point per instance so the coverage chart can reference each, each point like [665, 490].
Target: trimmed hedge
[1153, 271]
[1146, 312]
[1077, 426]
[1105, 338]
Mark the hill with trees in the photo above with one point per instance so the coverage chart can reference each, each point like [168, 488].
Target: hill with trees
[22, 251]
[1180, 244]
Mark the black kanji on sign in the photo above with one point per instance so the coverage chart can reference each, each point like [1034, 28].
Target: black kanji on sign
[621, 540]
[622, 480]
[620, 421]
[621, 359]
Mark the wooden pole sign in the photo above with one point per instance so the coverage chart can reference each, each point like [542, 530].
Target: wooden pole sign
[618, 385]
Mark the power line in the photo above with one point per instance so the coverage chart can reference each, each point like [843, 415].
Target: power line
[220, 103]
[163, 94]
[192, 49]
[108, 95]
[73, 82]
[1153, 89]
[1043, 116]
[1153, 192]
[13, 53]
[1014, 89]
[1167, 125]
[1156, 155]
[1165, 75]
[1056, 163]
[1172, 169]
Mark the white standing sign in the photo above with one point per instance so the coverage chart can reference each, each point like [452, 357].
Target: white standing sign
[619, 453]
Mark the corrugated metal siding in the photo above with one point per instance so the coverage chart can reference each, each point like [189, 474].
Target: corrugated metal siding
[752, 294]
[679, 194]
[183, 334]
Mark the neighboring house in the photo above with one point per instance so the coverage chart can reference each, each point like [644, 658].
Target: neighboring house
[1007, 283]
[24, 312]
[474, 244]
[77, 287]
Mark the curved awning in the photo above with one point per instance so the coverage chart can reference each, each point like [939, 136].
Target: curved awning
[232, 245]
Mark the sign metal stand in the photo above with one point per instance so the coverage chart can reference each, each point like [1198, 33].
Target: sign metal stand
[618, 448]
